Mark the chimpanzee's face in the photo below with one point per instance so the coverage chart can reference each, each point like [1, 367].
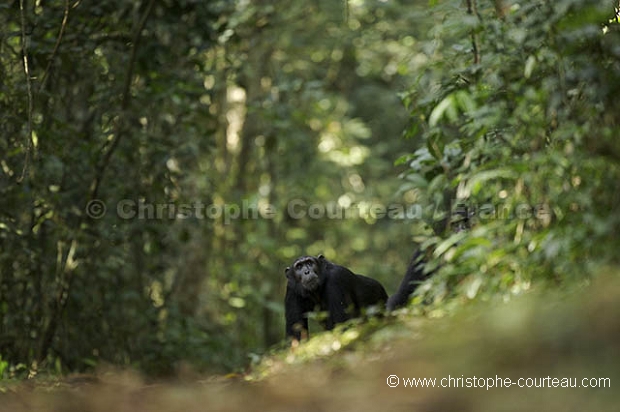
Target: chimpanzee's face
[306, 272]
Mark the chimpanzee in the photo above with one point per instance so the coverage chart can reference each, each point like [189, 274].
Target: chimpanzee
[316, 283]
[413, 277]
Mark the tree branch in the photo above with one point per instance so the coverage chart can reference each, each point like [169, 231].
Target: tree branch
[102, 166]
[25, 41]
[67, 264]
[63, 25]
[472, 9]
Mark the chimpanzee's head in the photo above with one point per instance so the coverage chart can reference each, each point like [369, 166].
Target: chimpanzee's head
[305, 271]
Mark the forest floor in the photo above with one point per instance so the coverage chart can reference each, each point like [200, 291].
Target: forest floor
[543, 351]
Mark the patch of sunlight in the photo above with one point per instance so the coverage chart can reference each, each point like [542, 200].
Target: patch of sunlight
[235, 116]
[353, 156]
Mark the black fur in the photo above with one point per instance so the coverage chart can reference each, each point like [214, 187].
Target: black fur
[413, 277]
[318, 284]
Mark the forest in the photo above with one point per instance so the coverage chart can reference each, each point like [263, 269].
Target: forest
[163, 162]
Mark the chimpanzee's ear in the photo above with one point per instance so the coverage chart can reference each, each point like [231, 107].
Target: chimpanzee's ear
[287, 269]
[321, 257]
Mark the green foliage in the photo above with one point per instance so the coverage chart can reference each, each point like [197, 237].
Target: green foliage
[171, 117]
[524, 137]
[149, 108]
[115, 107]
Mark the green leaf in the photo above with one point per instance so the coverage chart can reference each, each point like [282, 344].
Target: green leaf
[529, 66]
[442, 247]
[465, 101]
[446, 106]
[474, 185]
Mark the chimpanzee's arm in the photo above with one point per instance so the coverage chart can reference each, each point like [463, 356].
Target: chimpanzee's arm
[295, 309]
[413, 277]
